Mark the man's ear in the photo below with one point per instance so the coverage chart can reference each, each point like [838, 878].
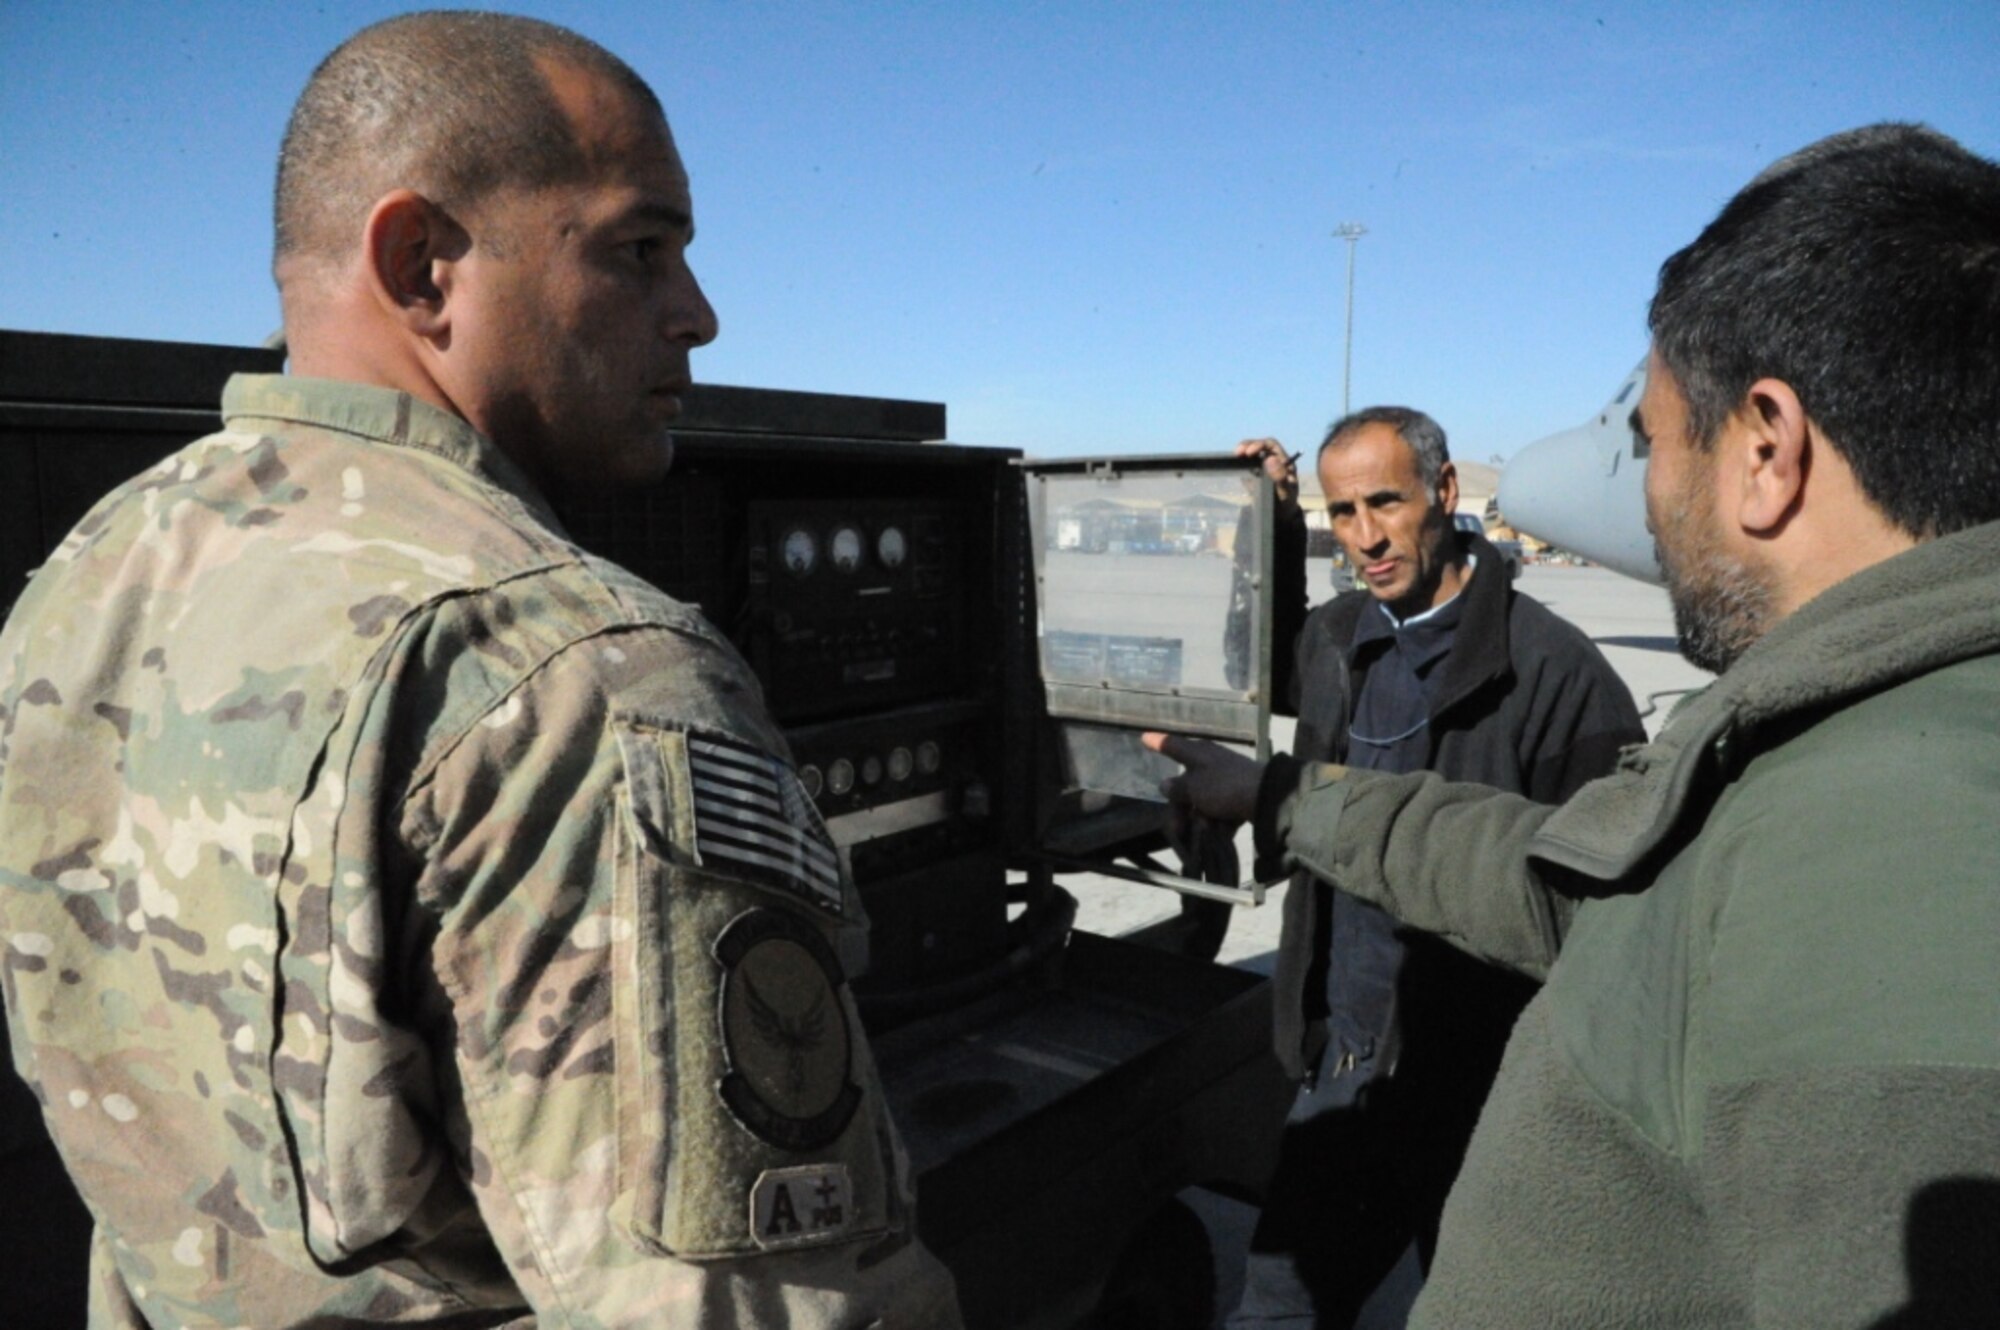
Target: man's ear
[1447, 490]
[411, 244]
[1775, 439]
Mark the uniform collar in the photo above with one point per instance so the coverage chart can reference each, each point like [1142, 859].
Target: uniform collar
[382, 415]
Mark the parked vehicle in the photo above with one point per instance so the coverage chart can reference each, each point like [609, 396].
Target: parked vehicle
[1510, 549]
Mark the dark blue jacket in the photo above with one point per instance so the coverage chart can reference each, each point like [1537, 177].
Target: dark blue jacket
[1526, 704]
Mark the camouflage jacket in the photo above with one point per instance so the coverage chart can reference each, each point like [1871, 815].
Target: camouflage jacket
[406, 917]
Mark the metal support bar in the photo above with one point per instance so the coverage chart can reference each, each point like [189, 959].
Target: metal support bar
[1250, 896]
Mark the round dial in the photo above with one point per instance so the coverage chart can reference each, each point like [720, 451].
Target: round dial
[929, 758]
[840, 776]
[809, 776]
[871, 770]
[845, 548]
[901, 764]
[801, 552]
[891, 547]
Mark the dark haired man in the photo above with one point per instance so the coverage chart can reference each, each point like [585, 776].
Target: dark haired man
[1435, 663]
[417, 920]
[1767, 1054]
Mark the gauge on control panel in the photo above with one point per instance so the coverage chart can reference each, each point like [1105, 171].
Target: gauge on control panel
[929, 758]
[871, 770]
[900, 763]
[840, 776]
[892, 547]
[810, 778]
[801, 552]
[845, 548]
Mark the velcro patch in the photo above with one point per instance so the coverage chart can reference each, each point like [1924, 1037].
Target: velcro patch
[753, 819]
[785, 1038]
[793, 1207]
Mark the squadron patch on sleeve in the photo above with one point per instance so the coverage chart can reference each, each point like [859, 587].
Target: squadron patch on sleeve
[791, 1207]
[786, 1045]
[753, 818]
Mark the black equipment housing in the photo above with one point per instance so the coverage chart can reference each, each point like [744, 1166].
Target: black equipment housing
[1055, 1088]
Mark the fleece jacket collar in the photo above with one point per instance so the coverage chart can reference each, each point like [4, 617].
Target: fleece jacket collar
[1920, 611]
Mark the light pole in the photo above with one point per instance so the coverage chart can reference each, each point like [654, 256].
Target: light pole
[1350, 232]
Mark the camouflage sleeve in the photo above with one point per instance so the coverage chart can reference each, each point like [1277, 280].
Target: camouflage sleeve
[670, 1113]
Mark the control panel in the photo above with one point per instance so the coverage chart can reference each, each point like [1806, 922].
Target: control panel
[863, 579]
[854, 605]
[880, 779]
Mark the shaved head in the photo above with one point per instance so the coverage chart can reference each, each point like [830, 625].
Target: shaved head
[450, 104]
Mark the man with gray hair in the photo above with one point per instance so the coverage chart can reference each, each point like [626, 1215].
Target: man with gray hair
[414, 918]
[1435, 663]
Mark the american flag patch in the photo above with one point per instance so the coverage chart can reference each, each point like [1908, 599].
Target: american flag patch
[752, 815]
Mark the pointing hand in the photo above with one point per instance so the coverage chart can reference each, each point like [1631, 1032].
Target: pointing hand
[1217, 784]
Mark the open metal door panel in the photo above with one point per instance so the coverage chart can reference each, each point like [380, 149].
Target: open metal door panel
[1153, 613]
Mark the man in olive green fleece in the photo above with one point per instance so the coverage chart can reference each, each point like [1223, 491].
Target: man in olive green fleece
[1761, 1084]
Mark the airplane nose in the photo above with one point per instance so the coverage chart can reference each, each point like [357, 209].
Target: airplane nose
[1540, 484]
[1583, 491]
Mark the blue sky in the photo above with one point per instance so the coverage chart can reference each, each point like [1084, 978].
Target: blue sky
[1084, 227]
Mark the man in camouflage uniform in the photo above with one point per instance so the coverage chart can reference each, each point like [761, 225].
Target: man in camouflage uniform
[408, 917]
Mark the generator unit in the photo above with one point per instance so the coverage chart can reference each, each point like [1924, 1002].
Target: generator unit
[1055, 1089]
